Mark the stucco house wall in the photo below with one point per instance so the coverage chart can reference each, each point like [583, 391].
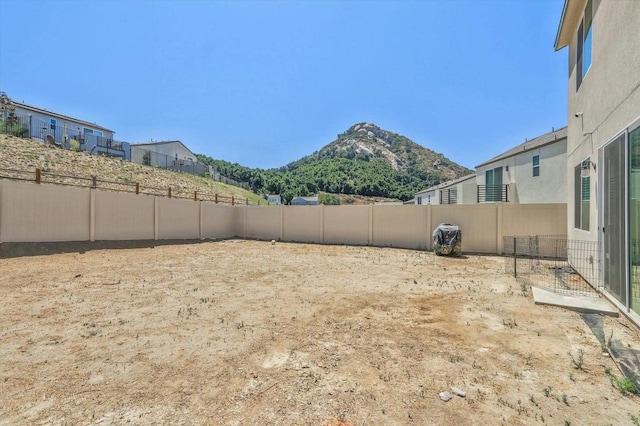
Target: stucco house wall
[427, 197]
[173, 149]
[549, 186]
[517, 172]
[602, 112]
[608, 98]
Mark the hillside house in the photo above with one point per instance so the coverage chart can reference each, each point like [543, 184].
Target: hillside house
[603, 140]
[274, 199]
[531, 172]
[68, 132]
[304, 201]
[457, 191]
[164, 151]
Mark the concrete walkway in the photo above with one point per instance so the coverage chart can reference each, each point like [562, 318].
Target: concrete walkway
[584, 304]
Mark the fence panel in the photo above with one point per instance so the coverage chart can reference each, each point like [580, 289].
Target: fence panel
[35, 213]
[554, 262]
[346, 226]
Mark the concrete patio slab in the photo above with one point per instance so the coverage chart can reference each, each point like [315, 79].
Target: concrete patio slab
[585, 304]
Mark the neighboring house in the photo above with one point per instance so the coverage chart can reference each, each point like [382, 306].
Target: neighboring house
[532, 172]
[457, 191]
[274, 199]
[603, 140]
[159, 153]
[71, 133]
[304, 201]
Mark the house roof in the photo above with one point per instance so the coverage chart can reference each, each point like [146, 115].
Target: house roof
[547, 138]
[162, 143]
[306, 198]
[60, 116]
[449, 183]
[569, 21]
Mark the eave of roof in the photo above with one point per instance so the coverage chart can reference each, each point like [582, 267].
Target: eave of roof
[162, 143]
[540, 141]
[569, 21]
[60, 116]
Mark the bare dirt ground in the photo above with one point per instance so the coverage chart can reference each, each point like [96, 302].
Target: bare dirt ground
[245, 332]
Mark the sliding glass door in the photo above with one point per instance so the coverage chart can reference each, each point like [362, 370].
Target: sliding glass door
[613, 226]
[634, 218]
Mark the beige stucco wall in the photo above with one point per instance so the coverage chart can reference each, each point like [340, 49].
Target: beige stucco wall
[263, 223]
[346, 226]
[30, 212]
[479, 224]
[178, 219]
[533, 219]
[302, 223]
[218, 221]
[120, 216]
[608, 98]
[402, 226]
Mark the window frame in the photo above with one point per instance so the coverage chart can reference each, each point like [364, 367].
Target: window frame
[582, 213]
[536, 165]
[585, 44]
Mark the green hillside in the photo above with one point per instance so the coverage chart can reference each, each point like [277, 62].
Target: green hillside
[365, 160]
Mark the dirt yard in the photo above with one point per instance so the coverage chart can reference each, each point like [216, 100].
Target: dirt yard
[244, 332]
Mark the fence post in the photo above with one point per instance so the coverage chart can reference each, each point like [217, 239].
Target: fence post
[137, 188]
[94, 180]
[233, 201]
[195, 195]
[246, 201]
[169, 192]
[515, 259]
[38, 175]
[216, 198]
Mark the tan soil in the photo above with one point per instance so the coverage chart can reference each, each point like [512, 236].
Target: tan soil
[246, 332]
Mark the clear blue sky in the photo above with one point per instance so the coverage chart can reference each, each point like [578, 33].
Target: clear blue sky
[263, 83]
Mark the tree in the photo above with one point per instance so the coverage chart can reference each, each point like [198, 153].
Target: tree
[9, 122]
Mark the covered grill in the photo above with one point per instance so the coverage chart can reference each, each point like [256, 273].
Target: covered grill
[447, 240]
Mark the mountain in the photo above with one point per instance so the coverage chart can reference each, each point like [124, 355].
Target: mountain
[365, 160]
[368, 142]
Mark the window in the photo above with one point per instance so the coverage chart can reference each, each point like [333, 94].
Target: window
[536, 165]
[419, 200]
[582, 195]
[493, 187]
[585, 38]
[92, 132]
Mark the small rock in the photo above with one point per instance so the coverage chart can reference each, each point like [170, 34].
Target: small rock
[273, 242]
[458, 391]
[445, 396]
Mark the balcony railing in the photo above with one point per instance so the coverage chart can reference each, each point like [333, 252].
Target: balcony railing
[493, 193]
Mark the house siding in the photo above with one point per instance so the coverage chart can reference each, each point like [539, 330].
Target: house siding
[73, 127]
[608, 97]
[170, 150]
[603, 108]
[548, 187]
